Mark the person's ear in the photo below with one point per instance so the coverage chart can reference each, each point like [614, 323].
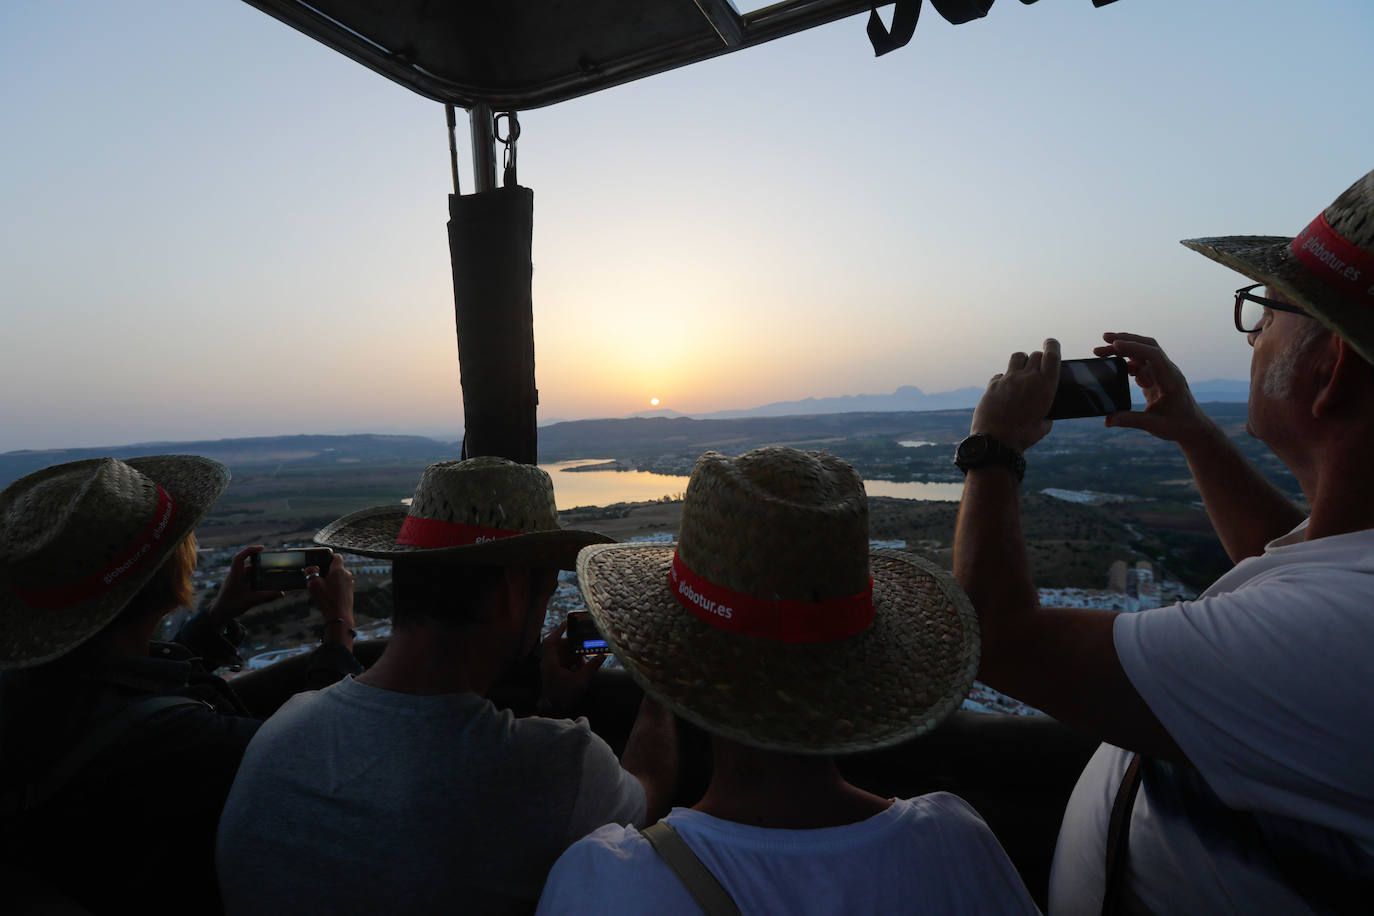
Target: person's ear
[1338, 371]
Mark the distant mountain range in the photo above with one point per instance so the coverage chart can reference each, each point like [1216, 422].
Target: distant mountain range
[911, 398]
[908, 412]
[287, 452]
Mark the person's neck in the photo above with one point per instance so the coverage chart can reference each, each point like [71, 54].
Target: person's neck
[126, 638]
[429, 660]
[1339, 488]
[782, 791]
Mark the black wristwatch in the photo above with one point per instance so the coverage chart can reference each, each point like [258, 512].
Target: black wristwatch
[980, 451]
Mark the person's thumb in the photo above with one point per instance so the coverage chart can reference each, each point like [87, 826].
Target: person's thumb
[1133, 419]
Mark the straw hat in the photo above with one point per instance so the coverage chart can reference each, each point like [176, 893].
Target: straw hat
[482, 510]
[771, 622]
[79, 540]
[1328, 269]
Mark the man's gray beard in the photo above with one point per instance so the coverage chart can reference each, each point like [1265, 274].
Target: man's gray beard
[1277, 383]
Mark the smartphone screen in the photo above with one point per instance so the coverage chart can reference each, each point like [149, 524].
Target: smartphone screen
[583, 635]
[1091, 388]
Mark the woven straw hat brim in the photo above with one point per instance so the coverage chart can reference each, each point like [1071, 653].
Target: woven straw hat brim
[1268, 259]
[30, 637]
[372, 533]
[899, 678]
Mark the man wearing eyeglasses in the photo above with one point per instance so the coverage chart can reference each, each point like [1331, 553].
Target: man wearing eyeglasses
[1235, 774]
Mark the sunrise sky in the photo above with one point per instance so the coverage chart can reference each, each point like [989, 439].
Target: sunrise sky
[211, 226]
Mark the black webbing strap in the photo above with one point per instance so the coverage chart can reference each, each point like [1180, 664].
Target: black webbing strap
[713, 899]
[904, 16]
[1118, 837]
[93, 744]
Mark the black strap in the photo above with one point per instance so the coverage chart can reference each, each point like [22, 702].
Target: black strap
[713, 899]
[904, 16]
[1118, 837]
[91, 746]
[1326, 886]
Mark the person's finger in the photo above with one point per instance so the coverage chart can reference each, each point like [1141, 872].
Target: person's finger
[1130, 419]
[1136, 349]
[1033, 361]
[238, 566]
[315, 586]
[594, 662]
[1113, 336]
[1049, 364]
[556, 634]
[1016, 361]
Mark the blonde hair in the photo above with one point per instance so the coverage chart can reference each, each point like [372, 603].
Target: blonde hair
[170, 586]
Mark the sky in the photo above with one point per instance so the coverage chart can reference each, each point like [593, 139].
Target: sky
[212, 226]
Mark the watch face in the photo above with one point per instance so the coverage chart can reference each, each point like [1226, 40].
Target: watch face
[973, 449]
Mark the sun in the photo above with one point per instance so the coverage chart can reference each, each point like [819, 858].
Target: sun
[653, 401]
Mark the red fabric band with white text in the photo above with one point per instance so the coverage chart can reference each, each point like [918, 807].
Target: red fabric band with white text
[780, 621]
[1334, 260]
[430, 532]
[102, 580]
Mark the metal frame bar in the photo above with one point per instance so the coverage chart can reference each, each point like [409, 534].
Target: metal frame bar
[763, 25]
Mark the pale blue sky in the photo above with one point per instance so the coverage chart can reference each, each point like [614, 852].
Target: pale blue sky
[211, 226]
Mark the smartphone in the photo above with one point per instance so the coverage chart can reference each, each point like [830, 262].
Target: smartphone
[584, 636]
[1091, 388]
[284, 570]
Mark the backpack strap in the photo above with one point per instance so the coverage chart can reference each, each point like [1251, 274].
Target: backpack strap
[88, 748]
[713, 899]
[1118, 837]
[1328, 886]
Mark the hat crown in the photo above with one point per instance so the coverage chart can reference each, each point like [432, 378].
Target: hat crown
[489, 492]
[1352, 214]
[777, 524]
[60, 523]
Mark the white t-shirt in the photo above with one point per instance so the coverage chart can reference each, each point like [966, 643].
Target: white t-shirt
[355, 799]
[1265, 681]
[929, 854]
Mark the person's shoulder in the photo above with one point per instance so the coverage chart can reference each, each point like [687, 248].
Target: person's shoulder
[941, 812]
[610, 870]
[299, 706]
[565, 735]
[941, 805]
[615, 840]
[293, 717]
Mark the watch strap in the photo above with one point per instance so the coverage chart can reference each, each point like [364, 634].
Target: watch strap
[990, 452]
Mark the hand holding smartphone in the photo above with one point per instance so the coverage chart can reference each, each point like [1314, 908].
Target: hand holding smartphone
[284, 570]
[583, 636]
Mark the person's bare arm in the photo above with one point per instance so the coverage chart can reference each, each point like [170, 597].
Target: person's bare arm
[651, 757]
[1060, 660]
[1246, 509]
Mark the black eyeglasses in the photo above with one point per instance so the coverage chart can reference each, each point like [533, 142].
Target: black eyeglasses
[1250, 309]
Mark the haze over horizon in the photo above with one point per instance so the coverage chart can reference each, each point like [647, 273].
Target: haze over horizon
[905, 398]
[216, 227]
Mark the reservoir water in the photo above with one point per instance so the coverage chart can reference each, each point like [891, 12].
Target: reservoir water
[601, 488]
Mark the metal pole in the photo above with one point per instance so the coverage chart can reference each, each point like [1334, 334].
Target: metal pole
[483, 148]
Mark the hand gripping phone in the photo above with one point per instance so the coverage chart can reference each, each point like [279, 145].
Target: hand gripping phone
[284, 570]
[583, 635]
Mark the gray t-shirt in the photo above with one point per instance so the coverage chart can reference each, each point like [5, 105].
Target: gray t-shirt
[1263, 682]
[356, 799]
